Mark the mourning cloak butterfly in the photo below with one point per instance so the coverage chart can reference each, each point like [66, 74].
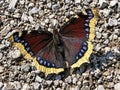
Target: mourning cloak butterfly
[68, 48]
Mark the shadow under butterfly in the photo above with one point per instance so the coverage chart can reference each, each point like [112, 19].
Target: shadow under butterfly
[53, 52]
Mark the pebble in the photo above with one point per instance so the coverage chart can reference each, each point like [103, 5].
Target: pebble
[117, 86]
[22, 2]
[25, 68]
[54, 22]
[38, 79]
[30, 19]
[36, 86]
[100, 87]
[17, 85]
[1, 55]
[55, 7]
[14, 54]
[75, 80]
[1, 85]
[97, 47]
[101, 2]
[17, 15]
[77, 1]
[113, 2]
[98, 35]
[24, 17]
[12, 4]
[49, 4]
[67, 1]
[25, 87]
[68, 79]
[34, 10]
[56, 83]
[112, 22]
[106, 41]
[31, 5]
[5, 30]
[49, 82]
[1, 69]
[105, 12]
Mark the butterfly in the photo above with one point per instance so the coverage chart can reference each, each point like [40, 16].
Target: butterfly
[53, 52]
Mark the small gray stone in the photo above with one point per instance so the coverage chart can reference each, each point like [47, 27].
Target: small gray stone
[17, 15]
[113, 2]
[115, 37]
[49, 4]
[15, 54]
[54, 22]
[1, 85]
[101, 2]
[36, 86]
[31, 5]
[1, 55]
[117, 86]
[2, 46]
[22, 2]
[107, 49]
[68, 79]
[55, 7]
[4, 87]
[100, 87]
[24, 17]
[34, 10]
[56, 83]
[58, 88]
[17, 85]
[51, 16]
[25, 68]
[97, 47]
[49, 82]
[12, 4]
[30, 19]
[67, 1]
[75, 80]
[1, 69]
[98, 35]
[112, 22]
[77, 1]
[106, 41]
[25, 87]
[84, 88]
[38, 79]
[5, 30]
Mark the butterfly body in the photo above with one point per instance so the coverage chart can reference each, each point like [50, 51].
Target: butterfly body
[53, 52]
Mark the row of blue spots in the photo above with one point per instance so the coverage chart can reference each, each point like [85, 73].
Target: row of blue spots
[23, 42]
[44, 62]
[82, 51]
[87, 28]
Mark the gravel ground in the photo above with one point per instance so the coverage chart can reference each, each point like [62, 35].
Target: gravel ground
[17, 73]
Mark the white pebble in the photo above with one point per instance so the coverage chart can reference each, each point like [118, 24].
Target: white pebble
[34, 10]
[98, 34]
[24, 17]
[1, 55]
[113, 3]
[25, 87]
[100, 87]
[117, 86]
[77, 1]
[1, 69]
[12, 4]
[30, 19]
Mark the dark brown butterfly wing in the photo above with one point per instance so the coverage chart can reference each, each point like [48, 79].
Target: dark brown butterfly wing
[39, 48]
[76, 36]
